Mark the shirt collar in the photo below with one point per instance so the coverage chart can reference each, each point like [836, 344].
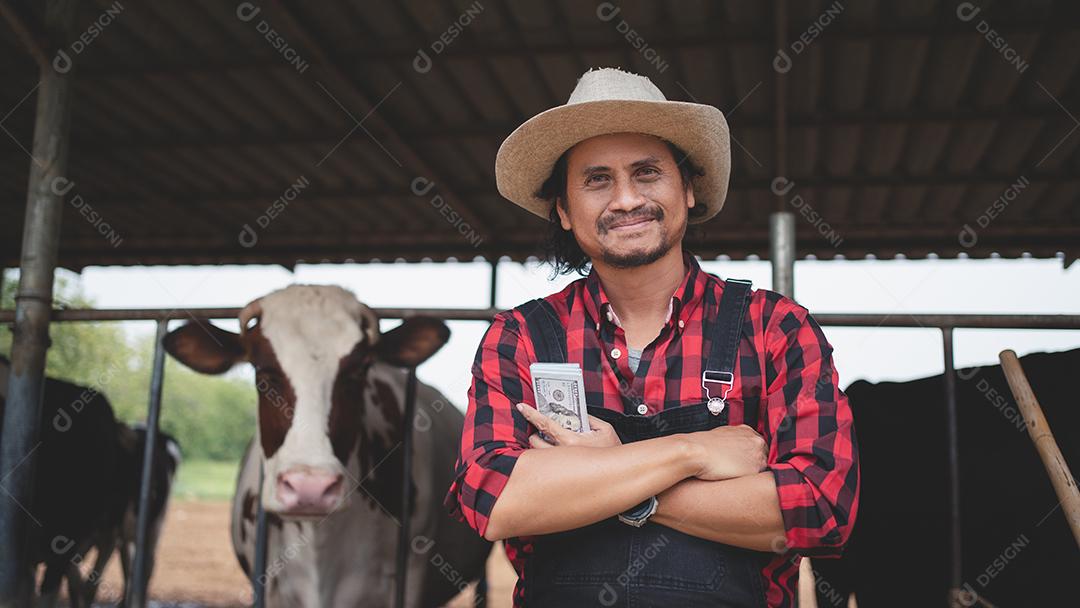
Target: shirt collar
[683, 302]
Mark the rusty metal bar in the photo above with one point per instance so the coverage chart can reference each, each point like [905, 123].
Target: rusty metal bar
[141, 575]
[154, 314]
[406, 490]
[935, 321]
[924, 321]
[956, 546]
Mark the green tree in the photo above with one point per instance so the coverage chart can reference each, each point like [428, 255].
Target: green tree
[211, 417]
[84, 353]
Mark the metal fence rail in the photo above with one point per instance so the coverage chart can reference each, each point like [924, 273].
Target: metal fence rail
[944, 322]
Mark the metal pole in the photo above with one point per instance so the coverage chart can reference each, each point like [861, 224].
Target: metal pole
[140, 578]
[494, 282]
[258, 574]
[780, 22]
[782, 251]
[781, 222]
[33, 306]
[951, 427]
[406, 489]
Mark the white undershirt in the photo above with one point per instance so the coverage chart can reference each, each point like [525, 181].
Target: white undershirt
[634, 355]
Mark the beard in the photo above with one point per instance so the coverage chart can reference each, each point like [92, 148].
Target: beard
[644, 255]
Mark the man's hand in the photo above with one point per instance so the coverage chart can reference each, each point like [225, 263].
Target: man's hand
[600, 434]
[728, 452]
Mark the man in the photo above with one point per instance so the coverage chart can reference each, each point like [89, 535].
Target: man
[720, 446]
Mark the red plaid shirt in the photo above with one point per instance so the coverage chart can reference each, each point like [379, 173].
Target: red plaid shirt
[786, 387]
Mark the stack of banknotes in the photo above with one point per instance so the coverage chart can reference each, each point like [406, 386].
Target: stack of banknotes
[560, 394]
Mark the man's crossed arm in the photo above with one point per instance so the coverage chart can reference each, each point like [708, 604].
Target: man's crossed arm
[709, 484]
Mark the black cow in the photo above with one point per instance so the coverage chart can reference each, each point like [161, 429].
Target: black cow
[85, 487]
[77, 491]
[1018, 550]
[121, 535]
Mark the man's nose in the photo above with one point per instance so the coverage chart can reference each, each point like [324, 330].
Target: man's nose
[626, 196]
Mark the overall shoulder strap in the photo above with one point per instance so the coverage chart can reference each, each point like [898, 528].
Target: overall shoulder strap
[547, 333]
[725, 338]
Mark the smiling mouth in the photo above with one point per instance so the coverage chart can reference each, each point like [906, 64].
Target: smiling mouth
[638, 223]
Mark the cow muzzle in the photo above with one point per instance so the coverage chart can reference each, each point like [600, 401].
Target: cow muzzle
[309, 492]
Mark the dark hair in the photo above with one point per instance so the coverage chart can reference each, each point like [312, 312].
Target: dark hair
[561, 249]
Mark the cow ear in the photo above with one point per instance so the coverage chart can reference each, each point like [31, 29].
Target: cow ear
[205, 348]
[412, 342]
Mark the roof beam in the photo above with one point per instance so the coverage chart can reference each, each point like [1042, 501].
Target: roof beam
[322, 60]
[588, 38]
[104, 142]
[31, 38]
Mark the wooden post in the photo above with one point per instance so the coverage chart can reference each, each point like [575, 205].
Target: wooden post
[1060, 476]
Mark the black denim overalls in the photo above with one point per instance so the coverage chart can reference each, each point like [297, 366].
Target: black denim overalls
[610, 563]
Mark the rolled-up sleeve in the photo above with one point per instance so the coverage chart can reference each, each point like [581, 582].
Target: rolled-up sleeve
[495, 433]
[813, 453]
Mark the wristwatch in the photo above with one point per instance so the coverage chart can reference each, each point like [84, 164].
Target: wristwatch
[637, 515]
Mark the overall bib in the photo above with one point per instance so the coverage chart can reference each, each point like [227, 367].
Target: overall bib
[610, 563]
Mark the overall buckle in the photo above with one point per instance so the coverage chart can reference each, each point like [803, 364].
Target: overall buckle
[716, 404]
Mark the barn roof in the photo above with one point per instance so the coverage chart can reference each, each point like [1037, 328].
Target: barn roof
[344, 130]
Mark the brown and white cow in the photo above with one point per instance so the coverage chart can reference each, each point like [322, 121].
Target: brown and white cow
[331, 393]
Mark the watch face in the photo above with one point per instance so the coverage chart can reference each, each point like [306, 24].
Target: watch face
[639, 513]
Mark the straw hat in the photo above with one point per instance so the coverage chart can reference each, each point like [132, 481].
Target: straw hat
[609, 100]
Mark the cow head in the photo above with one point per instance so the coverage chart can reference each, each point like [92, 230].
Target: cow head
[312, 348]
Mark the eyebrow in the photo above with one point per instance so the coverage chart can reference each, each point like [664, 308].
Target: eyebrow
[648, 160]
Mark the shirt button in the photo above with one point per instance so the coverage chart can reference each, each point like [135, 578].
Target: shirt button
[610, 316]
[681, 323]
[616, 353]
[642, 408]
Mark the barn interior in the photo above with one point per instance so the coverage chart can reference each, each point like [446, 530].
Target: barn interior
[278, 132]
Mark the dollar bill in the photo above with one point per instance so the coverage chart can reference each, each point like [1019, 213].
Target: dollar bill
[559, 389]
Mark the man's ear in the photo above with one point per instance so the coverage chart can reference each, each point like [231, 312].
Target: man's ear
[564, 216]
[412, 342]
[205, 348]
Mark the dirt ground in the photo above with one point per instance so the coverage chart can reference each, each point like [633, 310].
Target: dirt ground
[196, 566]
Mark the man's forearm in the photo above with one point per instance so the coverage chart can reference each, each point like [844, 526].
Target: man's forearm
[743, 512]
[562, 488]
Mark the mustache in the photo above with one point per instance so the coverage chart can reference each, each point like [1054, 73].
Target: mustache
[646, 212]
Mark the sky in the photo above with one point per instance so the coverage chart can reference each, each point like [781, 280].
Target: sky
[896, 287]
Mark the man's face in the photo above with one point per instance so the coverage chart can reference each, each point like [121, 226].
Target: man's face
[627, 205]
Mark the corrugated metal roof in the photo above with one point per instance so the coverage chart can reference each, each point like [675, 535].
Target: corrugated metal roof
[906, 122]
